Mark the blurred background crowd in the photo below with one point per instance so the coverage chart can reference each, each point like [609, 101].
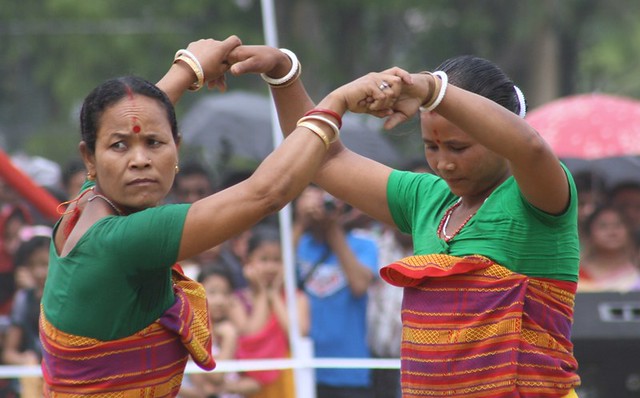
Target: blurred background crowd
[338, 253]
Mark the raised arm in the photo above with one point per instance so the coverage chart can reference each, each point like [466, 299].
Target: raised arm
[360, 181]
[212, 57]
[535, 167]
[280, 177]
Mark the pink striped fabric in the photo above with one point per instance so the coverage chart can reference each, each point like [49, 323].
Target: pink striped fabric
[472, 328]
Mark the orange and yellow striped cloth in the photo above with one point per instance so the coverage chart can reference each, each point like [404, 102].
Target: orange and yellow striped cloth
[473, 328]
[149, 363]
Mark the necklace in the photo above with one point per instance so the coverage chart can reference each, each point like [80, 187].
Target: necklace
[442, 227]
[109, 202]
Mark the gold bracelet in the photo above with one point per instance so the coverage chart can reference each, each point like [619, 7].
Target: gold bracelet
[197, 85]
[318, 131]
[334, 127]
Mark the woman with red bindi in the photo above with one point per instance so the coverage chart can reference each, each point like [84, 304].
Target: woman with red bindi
[118, 315]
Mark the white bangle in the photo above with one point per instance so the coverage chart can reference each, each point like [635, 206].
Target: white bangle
[521, 102]
[295, 64]
[443, 89]
[334, 127]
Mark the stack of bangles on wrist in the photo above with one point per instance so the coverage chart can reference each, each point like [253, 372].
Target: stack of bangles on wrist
[188, 58]
[315, 114]
[439, 90]
[290, 77]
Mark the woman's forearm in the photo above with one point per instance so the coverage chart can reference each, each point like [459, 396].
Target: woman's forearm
[176, 81]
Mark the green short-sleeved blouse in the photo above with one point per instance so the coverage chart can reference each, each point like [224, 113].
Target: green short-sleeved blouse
[506, 228]
[117, 279]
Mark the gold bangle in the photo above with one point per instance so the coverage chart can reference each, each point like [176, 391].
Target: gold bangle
[318, 131]
[334, 127]
[197, 85]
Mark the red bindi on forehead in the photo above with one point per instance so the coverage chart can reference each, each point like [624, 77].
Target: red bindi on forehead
[436, 136]
[136, 128]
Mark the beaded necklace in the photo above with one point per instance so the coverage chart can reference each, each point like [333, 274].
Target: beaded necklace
[109, 202]
[442, 227]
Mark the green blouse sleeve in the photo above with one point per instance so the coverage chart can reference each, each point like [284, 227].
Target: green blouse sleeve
[146, 240]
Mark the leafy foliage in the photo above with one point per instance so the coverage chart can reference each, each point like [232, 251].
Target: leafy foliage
[55, 51]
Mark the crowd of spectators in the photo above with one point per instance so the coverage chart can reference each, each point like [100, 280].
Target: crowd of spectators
[338, 252]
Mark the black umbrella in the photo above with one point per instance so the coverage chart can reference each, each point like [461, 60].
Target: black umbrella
[239, 124]
[612, 170]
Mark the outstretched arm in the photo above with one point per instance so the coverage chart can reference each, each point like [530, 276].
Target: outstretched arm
[533, 164]
[341, 168]
[281, 176]
[291, 101]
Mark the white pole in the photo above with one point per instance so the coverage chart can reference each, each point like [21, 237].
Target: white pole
[301, 349]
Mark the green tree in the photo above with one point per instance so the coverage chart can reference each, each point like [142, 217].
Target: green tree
[57, 50]
[54, 51]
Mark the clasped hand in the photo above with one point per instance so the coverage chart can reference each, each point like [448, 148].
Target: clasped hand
[230, 55]
[389, 94]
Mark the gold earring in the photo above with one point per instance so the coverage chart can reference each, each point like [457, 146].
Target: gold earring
[90, 176]
[177, 168]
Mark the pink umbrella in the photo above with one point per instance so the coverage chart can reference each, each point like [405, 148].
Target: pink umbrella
[589, 126]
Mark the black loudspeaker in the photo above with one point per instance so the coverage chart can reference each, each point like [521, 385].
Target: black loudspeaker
[606, 338]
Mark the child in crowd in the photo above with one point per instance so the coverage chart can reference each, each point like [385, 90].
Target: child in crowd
[263, 314]
[22, 342]
[217, 282]
[609, 262]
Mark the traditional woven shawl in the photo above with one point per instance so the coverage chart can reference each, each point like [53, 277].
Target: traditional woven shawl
[149, 363]
[472, 328]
